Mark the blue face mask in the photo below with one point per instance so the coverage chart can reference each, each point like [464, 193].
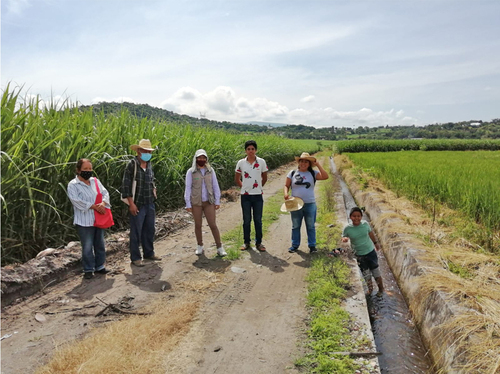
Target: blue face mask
[146, 157]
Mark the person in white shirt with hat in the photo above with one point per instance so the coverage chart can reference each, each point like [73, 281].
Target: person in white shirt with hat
[202, 196]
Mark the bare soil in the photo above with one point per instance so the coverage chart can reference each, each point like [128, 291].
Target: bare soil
[247, 322]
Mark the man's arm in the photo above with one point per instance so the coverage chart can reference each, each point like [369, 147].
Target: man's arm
[237, 179]
[126, 188]
[264, 178]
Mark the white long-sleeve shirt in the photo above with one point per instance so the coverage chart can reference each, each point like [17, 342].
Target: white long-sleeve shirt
[82, 197]
[204, 191]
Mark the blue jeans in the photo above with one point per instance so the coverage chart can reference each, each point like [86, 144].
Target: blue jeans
[93, 250]
[249, 203]
[142, 231]
[308, 212]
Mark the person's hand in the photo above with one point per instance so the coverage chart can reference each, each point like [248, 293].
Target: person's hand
[99, 208]
[217, 207]
[189, 209]
[345, 239]
[377, 247]
[132, 208]
[287, 197]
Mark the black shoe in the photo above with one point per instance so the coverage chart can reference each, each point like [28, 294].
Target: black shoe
[88, 275]
[293, 249]
[312, 250]
[103, 271]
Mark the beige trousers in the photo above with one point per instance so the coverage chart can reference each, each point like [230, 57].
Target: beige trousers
[209, 210]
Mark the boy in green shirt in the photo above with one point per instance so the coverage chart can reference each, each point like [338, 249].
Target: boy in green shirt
[362, 242]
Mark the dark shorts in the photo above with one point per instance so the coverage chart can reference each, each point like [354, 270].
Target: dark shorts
[368, 261]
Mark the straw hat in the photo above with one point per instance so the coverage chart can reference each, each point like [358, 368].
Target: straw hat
[143, 144]
[292, 204]
[306, 156]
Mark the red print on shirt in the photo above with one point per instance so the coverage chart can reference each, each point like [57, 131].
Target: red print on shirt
[246, 175]
[256, 165]
[255, 185]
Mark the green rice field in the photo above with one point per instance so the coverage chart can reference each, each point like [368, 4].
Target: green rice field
[465, 181]
[40, 146]
[394, 145]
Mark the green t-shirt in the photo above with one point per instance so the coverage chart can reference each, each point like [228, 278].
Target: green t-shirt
[361, 243]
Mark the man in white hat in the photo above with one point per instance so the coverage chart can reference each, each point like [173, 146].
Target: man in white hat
[141, 197]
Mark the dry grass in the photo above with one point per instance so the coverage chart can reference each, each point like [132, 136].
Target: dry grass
[456, 267]
[132, 345]
[136, 344]
[203, 282]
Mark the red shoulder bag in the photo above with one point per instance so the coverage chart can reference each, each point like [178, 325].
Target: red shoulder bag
[103, 221]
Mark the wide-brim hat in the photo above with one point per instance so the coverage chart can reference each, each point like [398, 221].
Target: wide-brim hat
[292, 204]
[306, 156]
[143, 144]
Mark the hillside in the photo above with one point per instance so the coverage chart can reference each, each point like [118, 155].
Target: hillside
[472, 129]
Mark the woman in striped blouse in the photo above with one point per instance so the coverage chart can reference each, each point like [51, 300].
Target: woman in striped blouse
[82, 192]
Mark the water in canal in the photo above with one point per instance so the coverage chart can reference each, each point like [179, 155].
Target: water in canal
[396, 336]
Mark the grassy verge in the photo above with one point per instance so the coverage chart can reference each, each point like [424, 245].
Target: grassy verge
[328, 279]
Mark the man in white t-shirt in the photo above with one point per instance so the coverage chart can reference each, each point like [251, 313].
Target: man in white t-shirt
[251, 176]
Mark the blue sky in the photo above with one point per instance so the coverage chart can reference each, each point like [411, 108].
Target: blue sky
[318, 63]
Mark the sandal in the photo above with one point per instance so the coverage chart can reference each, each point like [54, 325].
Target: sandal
[261, 247]
[246, 246]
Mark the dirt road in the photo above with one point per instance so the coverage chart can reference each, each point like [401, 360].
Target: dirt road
[250, 322]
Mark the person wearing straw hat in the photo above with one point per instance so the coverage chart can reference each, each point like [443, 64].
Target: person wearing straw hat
[141, 203]
[301, 181]
[202, 196]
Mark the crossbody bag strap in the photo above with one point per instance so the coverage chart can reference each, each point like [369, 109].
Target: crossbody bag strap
[133, 180]
[98, 192]
[97, 186]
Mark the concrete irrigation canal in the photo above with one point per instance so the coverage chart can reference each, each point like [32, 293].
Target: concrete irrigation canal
[396, 336]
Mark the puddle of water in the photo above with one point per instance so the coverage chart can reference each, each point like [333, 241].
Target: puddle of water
[395, 333]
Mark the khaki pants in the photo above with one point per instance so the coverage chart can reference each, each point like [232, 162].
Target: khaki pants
[209, 210]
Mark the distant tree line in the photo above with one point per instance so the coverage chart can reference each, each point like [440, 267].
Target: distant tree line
[474, 129]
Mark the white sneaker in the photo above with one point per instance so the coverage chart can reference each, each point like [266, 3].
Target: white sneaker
[199, 250]
[221, 251]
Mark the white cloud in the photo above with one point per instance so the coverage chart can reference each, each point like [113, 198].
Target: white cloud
[17, 6]
[57, 102]
[308, 99]
[222, 99]
[223, 104]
